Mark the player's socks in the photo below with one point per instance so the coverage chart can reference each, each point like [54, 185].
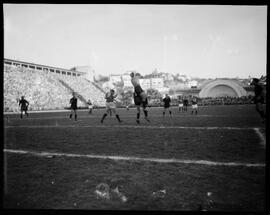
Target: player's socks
[138, 115]
[21, 115]
[138, 121]
[118, 118]
[145, 113]
[70, 116]
[75, 117]
[103, 117]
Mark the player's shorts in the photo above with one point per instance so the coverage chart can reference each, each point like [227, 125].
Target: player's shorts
[110, 105]
[24, 108]
[90, 106]
[194, 106]
[181, 105]
[73, 107]
[166, 106]
[138, 100]
[259, 99]
[138, 89]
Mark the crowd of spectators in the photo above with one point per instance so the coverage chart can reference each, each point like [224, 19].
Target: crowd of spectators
[85, 89]
[44, 91]
[225, 100]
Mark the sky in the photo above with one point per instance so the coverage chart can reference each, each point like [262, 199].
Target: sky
[205, 41]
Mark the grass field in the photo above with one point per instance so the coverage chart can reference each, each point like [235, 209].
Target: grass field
[212, 161]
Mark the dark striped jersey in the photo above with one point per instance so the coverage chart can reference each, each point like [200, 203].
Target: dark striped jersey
[167, 101]
[23, 103]
[110, 97]
[73, 102]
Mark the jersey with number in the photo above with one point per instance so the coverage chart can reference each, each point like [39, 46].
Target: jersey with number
[110, 97]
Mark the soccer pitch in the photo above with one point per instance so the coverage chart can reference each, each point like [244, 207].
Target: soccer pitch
[212, 161]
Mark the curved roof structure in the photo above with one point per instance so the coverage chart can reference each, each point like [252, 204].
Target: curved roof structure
[222, 87]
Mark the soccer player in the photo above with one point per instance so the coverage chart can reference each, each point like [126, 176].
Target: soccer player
[166, 105]
[185, 104]
[140, 98]
[137, 87]
[90, 106]
[110, 105]
[138, 101]
[259, 98]
[24, 106]
[194, 106]
[73, 106]
[180, 105]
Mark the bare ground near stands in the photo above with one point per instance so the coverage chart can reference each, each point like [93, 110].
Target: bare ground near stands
[61, 182]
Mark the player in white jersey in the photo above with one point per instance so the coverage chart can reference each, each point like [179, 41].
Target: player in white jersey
[140, 98]
[110, 105]
[90, 106]
[194, 106]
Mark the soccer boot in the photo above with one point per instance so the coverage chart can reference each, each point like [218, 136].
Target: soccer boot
[147, 119]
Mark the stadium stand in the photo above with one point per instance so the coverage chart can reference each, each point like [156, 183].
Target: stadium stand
[46, 91]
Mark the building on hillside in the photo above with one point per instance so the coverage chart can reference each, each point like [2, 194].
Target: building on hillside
[192, 84]
[87, 70]
[157, 83]
[115, 78]
[167, 77]
[127, 80]
[145, 83]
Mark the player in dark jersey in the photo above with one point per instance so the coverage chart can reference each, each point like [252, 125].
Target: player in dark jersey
[110, 105]
[24, 106]
[185, 104]
[259, 97]
[73, 106]
[166, 105]
[194, 106]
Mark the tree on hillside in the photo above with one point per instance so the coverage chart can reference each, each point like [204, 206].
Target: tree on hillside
[126, 97]
[153, 94]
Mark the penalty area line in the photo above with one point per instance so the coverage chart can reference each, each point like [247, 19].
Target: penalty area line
[138, 159]
[261, 136]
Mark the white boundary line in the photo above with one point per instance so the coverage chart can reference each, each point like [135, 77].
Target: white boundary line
[123, 116]
[131, 126]
[261, 136]
[138, 159]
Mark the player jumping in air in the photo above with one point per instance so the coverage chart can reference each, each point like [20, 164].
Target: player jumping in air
[194, 106]
[73, 106]
[24, 106]
[110, 105]
[166, 105]
[140, 97]
[259, 98]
